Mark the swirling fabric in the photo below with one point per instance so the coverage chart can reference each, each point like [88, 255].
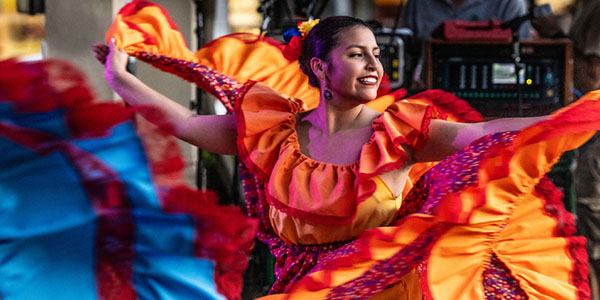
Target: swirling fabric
[94, 205]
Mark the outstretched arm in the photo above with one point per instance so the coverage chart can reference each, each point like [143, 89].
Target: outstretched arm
[214, 133]
[445, 138]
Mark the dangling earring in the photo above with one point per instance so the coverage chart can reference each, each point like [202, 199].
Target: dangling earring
[327, 93]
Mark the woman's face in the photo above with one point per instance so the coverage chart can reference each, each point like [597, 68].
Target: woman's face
[354, 70]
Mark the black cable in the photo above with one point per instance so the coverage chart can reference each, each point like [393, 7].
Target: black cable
[266, 8]
[197, 105]
[396, 24]
[321, 9]
[309, 9]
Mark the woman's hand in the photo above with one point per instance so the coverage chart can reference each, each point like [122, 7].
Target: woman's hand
[212, 133]
[113, 59]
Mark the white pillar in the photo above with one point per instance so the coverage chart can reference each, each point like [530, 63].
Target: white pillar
[342, 8]
[73, 26]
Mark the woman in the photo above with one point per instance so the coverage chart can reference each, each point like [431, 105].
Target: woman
[338, 170]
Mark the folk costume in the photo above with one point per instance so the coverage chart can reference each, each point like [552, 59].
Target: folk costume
[483, 223]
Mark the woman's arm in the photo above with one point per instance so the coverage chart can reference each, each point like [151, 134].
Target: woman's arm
[214, 133]
[445, 138]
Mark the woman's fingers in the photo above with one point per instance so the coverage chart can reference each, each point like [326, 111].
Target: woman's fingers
[100, 52]
[101, 48]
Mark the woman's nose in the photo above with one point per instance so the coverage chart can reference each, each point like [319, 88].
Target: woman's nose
[372, 62]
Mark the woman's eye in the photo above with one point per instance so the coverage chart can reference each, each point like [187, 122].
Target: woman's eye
[356, 55]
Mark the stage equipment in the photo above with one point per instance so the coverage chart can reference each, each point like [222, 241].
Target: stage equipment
[393, 53]
[494, 30]
[484, 74]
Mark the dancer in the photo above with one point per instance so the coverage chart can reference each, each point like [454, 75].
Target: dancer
[329, 177]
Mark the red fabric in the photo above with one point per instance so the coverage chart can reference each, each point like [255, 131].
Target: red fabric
[225, 235]
[163, 153]
[574, 122]
[42, 87]
[95, 119]
[580, 118]
[555, 208]
[462, 30]
[136, 5]
[293, 49]
[450, 105]
[385, 88]
[565, 227]
[50, 85]
[579, 256]
[217, 84]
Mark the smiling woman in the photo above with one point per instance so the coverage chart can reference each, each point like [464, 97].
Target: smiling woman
[354, 68]
[338, 52]
[328, 176]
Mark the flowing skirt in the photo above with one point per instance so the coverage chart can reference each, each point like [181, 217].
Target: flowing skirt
[94, 205]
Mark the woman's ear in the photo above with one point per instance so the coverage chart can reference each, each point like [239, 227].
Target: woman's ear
[318, 67]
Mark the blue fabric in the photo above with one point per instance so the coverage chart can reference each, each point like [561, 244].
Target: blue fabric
[49, 226]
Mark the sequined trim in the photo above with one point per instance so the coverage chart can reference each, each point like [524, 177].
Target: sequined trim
[498, 282]
[218, 84]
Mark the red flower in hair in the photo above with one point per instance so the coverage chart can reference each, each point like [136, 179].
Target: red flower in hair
[293, 49]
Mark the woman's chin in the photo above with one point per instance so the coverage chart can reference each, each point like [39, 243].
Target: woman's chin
[369, 97]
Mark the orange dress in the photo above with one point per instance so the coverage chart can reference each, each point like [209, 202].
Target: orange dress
[312, 202]
[482, 224]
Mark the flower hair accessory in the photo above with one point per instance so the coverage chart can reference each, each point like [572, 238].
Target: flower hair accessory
[295, 37]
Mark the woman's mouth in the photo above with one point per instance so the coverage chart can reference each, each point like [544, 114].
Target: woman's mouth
[368, 80]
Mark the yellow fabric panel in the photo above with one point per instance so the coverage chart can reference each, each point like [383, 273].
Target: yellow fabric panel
[379, 209]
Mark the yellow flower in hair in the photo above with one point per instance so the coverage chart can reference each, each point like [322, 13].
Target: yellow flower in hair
[306, 26]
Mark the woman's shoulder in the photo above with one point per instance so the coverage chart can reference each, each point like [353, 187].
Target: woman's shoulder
[257, 97]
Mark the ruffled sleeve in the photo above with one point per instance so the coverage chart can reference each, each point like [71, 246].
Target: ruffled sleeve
[403, 123]
[265, 121]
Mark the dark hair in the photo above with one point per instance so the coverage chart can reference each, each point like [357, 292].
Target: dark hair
[322, 39]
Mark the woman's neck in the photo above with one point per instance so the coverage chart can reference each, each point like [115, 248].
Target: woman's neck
[334, 116]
